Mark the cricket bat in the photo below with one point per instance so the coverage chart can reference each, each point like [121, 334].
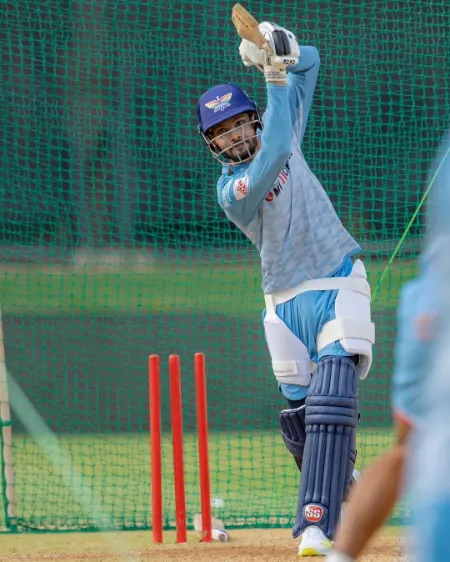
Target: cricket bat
[247, 27]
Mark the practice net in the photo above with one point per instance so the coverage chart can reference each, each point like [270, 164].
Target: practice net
[113, 247]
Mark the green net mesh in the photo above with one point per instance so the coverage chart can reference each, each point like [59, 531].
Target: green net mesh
[112, 245]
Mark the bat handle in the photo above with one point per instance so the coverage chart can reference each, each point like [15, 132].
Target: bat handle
[260, 41]
[266, 47]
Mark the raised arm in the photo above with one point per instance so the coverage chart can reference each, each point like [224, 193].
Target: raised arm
[243, 193]
[302, 79]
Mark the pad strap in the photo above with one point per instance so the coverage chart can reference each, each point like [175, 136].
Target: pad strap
[356, 284]
[345, 328]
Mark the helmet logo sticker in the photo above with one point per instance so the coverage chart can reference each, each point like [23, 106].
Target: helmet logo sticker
[219, 104]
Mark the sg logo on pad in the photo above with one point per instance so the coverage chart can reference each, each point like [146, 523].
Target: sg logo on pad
[313, 513]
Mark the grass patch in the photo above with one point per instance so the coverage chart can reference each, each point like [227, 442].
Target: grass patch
[212, 288]
[251, 472]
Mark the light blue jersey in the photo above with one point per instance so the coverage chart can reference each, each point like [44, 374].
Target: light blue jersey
[277, 201]
[418, 300]
[431, 451]
[413, 349]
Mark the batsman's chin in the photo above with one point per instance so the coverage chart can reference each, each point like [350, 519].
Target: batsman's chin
[242, 152]
[240, 147]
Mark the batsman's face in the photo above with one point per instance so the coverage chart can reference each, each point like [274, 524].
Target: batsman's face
[236, 138]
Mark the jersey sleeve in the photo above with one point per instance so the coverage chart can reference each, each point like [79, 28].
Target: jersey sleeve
[302, 79]
[242, 193]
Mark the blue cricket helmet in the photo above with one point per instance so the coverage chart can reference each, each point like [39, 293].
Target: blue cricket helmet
[221, 103]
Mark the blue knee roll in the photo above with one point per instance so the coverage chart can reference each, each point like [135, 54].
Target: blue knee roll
[331, 415]
[332, 398]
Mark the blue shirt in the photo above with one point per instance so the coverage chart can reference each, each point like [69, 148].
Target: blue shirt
[277, 201]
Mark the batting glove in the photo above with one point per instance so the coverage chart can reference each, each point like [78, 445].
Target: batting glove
[284, 47]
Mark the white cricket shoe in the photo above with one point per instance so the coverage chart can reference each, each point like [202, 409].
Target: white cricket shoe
[314, 542]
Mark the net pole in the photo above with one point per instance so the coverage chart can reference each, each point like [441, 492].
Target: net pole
[6, 464]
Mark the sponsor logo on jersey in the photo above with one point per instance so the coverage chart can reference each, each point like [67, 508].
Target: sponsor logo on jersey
[240, 188]
[313, 513]
[219, 104]
[280, 183]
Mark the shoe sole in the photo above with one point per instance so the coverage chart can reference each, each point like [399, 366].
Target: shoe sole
[310, 552]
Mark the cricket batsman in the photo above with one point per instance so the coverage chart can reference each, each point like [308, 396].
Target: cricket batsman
[317, 318]
[382, 483]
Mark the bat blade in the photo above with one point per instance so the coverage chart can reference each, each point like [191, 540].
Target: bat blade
[247, 27]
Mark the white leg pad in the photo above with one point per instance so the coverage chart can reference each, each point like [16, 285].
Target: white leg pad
[352, 327]
[290, 359]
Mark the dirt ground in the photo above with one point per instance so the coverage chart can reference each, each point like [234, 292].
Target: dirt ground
[243, 546]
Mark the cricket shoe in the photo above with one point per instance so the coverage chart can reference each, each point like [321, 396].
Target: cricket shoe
[314, 542]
